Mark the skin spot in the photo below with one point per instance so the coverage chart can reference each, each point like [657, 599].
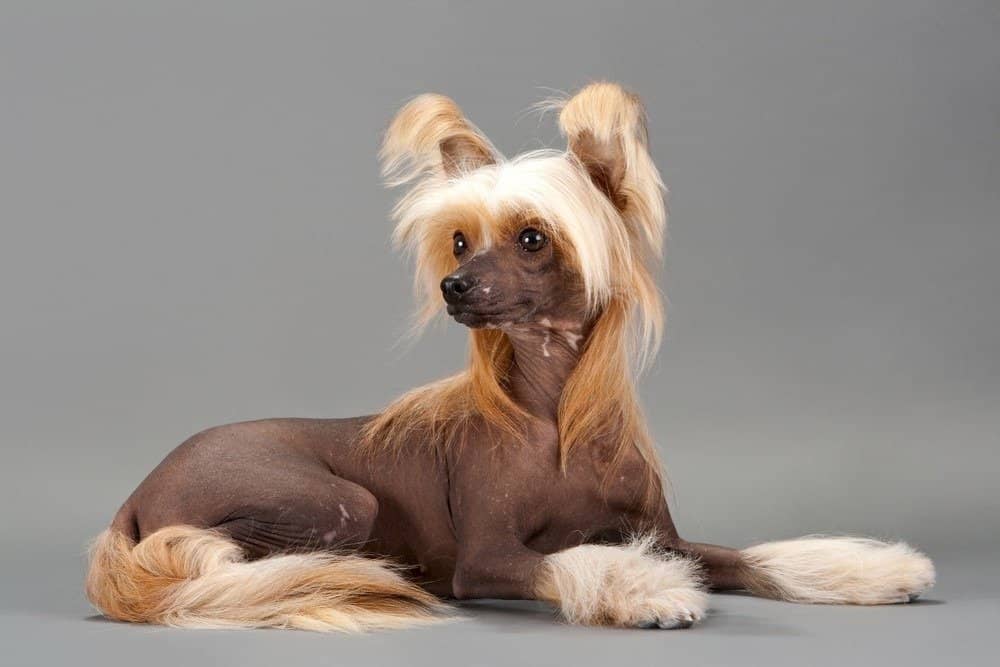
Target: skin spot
[486, 290]
[547, 323]
[572, 339]
[329, 535]
[343, 512]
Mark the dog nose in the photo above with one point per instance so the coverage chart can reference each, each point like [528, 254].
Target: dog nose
[453, 287]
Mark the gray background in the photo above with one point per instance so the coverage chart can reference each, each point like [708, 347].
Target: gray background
[193, 233]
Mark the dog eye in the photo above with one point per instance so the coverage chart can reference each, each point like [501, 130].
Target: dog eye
[531, 239]
[459, 244]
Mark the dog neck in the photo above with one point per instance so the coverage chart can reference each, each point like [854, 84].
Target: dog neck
[545, 355]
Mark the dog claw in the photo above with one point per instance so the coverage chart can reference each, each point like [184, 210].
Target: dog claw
[674, 624]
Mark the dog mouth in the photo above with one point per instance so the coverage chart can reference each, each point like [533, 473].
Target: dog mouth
[474, 320]
[484, 317]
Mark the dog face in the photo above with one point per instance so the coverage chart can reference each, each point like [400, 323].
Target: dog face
[553, 236]
[518, 276]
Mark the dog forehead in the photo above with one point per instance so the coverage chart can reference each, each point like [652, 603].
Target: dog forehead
[541, 187]
[547, 189]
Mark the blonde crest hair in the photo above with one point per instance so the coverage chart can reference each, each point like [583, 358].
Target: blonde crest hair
[602, 203]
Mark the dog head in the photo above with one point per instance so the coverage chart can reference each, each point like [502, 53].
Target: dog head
[546, 237]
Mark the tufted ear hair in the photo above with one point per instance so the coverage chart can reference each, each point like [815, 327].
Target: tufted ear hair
[430, 137]
[605, 127]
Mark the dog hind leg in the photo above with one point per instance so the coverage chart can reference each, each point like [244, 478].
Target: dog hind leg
[324, 514]
[221, 536]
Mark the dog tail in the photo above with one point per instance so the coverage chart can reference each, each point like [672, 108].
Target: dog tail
[836, 570]
[190, 577]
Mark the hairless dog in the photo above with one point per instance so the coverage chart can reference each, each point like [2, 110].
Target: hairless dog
[529, 475]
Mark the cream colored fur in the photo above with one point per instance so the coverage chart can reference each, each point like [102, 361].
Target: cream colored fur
[630, 586]
[189, 577]
[838, 570]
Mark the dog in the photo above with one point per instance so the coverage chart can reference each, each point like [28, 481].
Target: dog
[529, 475]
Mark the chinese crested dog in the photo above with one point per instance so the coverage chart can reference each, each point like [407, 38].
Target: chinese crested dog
[529, 475]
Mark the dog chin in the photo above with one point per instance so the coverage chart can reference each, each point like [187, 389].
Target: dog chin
[474, 320]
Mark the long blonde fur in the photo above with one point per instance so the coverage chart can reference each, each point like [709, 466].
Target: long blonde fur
[412, 144]
[837, 570]
[614, 245]
[189, 577]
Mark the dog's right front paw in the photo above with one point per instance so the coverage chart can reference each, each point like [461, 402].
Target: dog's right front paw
[674, 608]
[628, 586]
[666, 625]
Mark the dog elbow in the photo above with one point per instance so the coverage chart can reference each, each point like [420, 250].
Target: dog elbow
[465, 583]
[509, 576]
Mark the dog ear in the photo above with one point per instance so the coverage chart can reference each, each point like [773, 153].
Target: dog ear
[430, 136]
[605, 127]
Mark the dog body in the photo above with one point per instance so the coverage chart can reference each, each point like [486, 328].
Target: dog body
[529, 475]
[284, 485]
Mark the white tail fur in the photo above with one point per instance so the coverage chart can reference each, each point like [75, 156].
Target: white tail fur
[190, 577]
[837, 570]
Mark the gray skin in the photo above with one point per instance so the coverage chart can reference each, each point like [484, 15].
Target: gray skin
[475, 522]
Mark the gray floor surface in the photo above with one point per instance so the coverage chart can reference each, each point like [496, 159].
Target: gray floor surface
[46, 621]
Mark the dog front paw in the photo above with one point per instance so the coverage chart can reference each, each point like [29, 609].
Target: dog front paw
[838, 570]
[628, 586]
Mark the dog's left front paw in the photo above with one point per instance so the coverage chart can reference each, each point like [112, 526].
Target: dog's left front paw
[838, 570]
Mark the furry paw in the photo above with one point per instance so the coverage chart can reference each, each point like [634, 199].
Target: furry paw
[838, 570]
[666, 625]
[626, 586]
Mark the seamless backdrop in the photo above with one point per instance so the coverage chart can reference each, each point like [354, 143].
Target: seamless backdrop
[194, 233]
